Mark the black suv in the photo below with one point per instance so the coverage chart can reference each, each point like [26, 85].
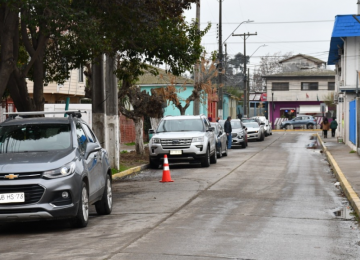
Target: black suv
[52, 167]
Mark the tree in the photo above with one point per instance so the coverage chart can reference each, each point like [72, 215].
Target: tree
[269, 64]
[201, 90]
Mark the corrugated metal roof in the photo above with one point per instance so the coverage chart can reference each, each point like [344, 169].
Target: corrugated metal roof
[162, 78]
[344, 26]
[303, 73]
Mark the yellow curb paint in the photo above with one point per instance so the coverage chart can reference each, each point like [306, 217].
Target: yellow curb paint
[296, 130]
[351, 195]
[127, 172]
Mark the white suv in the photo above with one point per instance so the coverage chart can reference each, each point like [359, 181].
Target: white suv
[183, 139]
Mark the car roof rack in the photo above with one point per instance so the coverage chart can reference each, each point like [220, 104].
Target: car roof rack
[72, 113]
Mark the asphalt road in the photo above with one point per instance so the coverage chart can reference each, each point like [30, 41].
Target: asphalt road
[273, 200]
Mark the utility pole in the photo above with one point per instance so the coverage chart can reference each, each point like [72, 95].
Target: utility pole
[220, 67]
[245, 35]
[197, 70]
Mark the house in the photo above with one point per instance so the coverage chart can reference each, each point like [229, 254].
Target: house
[258, 104]
[299, 89]
[184, 86]
[344, 53]
[74, 88]
[230, 105]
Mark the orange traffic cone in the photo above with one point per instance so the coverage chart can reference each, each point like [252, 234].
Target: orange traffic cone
[166, 172]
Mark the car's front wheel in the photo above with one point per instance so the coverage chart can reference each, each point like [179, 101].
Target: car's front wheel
[154, 164]
[310, 126]
[206, 161]
[104, 206]
[220, 152]
[82, 217]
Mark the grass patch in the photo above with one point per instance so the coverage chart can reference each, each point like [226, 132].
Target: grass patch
[122, 168]
[352, 151]
[130, 144]
[124, 151]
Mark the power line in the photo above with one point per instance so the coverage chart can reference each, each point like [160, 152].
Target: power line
[270, 42]
[318, 21]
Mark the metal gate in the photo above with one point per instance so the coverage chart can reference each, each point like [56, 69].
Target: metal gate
[352, 121]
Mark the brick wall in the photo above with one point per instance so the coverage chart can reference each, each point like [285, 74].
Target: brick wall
[127, 130]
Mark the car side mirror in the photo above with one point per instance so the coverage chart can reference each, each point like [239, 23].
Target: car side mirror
[211, 128]
[244, 127]
[220, 133]
[90, 148]
[151, 131]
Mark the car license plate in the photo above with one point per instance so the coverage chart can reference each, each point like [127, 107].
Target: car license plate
[175, 152]
[12, 197]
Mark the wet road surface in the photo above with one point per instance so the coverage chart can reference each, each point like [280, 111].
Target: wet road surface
[273, 200]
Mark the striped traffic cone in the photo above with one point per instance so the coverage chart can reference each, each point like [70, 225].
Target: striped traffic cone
[166, 172]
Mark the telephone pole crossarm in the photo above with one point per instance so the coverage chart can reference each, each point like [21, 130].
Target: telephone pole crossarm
[245, 35]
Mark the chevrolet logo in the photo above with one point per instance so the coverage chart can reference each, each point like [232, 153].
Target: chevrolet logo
[11, 176]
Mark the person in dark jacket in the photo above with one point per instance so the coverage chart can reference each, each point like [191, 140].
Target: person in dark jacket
[333, 126]
[228, 129]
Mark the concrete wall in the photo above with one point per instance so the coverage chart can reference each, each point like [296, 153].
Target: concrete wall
[296, 94]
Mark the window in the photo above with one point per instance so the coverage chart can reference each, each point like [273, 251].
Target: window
[81, 137]
[280, 86]
[89, 133]
[81, 73]
[309, 86]
[331, 85]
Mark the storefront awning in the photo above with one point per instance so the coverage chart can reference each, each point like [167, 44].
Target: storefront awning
[311, 109]
[287, 108]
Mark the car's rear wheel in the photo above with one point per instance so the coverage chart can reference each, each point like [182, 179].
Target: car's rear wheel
[310, 126]
[206, 161]
[220, 152]
[226, 151]
[213, 158]
[82, 217]
[104, 206]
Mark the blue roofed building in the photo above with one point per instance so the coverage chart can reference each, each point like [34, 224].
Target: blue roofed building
[344, 53]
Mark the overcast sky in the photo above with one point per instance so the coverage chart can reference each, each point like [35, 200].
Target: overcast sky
[274, 22]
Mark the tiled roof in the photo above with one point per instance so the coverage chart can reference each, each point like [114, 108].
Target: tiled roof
[162, 78]
[316, 60]
[303, 73]
[344, 26]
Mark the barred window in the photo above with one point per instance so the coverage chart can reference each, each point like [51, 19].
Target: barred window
[331, 85]
[309, 86]
[280, 86]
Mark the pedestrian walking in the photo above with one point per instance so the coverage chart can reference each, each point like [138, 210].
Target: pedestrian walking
[228, 129]
[333, 126]
[325, 126]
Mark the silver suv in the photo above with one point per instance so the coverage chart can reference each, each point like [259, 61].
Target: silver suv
[52, 168]
[183, 139]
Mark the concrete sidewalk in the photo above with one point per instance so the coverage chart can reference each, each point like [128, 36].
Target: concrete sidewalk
[346, 166]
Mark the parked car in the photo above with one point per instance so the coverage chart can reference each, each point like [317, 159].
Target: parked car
[255, 131]
[183, 139]
[238, 134]
[221, 140]
[301, 120]
[267, 125]
[52, 168]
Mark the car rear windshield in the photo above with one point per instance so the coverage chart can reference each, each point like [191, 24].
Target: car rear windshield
[181, 125]
[34, 138]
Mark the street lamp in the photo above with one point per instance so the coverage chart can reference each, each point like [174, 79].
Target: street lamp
[248, 21]
[264, 45]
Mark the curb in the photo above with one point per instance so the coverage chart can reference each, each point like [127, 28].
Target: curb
[296, 130]
[131, 171]
[345, 185]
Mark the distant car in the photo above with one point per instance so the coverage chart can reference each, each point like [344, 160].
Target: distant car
[238, 134]
[255, 131]
[301, 120]
[221, 140]
[267, 125]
